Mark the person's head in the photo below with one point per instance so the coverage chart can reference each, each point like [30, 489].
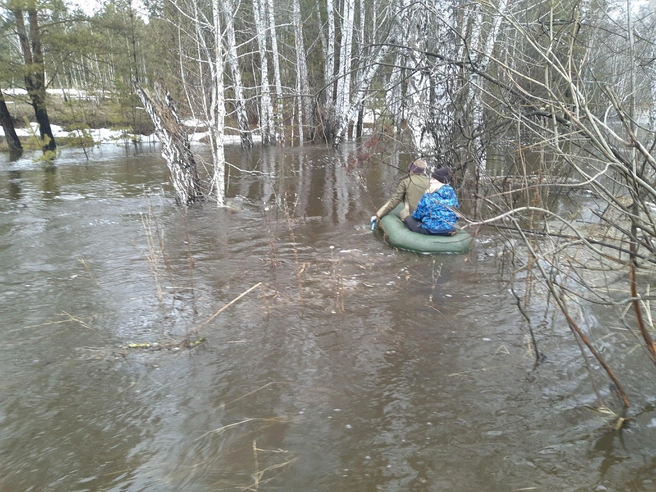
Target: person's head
[443, 175]
[417, 167]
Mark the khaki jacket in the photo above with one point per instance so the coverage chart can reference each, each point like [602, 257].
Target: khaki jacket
[409, 191]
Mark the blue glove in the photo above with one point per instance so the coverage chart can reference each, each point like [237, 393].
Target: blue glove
[373, 222]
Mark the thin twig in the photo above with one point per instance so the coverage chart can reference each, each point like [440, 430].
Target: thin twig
[228, 305]
[77, 320]
[254, 391]
[257, 466]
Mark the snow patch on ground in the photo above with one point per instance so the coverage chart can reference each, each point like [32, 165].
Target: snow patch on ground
[101, 135]
[105, 135]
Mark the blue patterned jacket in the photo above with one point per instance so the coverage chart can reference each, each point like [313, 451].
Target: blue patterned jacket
[433, 210]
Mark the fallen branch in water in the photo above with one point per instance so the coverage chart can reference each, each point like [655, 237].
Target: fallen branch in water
[228, 305]
[187, 342]
[166, 346]
[245, 421]
[255, 391]
[77, 320]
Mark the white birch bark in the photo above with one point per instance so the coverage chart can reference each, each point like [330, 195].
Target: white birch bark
[275, 56]
[359, 97]
[266, 109]
[210, 61]
[344, 71]
[245, 134]
[302, 84]
[218, 109]
[361, 67]
[414, 20]
[175, 146]
[430, 111]
[329, 68]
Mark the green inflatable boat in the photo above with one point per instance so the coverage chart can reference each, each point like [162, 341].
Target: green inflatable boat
[399, 236]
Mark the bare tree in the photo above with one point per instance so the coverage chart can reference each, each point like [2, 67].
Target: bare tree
[245, 133]
[304, 108]
[329, 56]
[343, 92]
[266, 109]
[268, 7]
[566, 90]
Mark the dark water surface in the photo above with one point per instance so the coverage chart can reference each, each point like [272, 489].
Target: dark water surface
[351, 366]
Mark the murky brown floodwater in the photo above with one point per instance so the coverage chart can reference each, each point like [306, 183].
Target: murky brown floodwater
[352, 367]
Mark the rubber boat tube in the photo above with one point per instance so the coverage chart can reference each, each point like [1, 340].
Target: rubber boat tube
[399, 236]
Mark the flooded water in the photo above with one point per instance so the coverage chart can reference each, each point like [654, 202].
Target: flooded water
[345, 365]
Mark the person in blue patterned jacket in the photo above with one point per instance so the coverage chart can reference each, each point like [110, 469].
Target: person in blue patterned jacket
[435, 211]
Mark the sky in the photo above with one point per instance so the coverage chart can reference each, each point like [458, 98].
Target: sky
[89, 7]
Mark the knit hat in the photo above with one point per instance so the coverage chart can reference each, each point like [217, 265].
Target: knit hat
[417, 167]
[443, 175]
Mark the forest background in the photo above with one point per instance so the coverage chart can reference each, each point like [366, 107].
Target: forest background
[530, 102]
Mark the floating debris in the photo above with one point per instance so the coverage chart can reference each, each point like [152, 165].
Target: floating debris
[166, 346]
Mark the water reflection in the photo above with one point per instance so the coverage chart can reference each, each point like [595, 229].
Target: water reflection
[14, 155]
[14, 184]
[351, 367]
[50, 183]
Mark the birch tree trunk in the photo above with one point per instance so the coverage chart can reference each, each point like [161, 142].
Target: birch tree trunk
[217, 106]
[302, 85]
[275, 56]
[175, 146]
[329, 72]
[359, 97]
[266, 109]
[414, 19]
[361, 67]
[245, 134]
[343, 96]
[430, 109]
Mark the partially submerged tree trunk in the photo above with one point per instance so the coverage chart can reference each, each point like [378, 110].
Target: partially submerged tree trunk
[304, 107]
[430, 114]
[344, 71]
[238, 86]
[8, 125]
[266, 108]
[34, 71]
[420, 79]
[175, 146]
[328, 46]
[368, 68]
[358, 100]
[216, 116]
[275, 57]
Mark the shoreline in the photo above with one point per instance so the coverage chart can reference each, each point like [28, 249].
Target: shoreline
[98, 136]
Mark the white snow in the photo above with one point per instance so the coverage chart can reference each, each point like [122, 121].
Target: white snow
[105, 135]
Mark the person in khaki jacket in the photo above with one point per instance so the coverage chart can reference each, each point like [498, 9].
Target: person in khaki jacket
[409, 191]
